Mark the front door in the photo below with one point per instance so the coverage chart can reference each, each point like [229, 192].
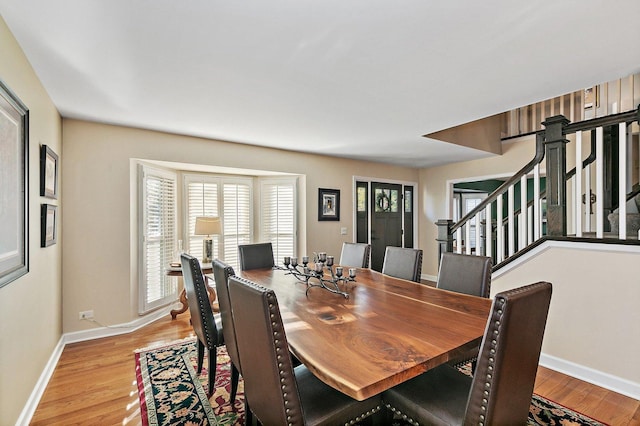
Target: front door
[386, 220]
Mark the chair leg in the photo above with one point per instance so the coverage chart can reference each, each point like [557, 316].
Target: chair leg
[235, 377]
[200, 355]
[248, 415]
[213, 364]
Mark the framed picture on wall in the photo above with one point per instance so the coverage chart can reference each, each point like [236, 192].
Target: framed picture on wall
[328, 204]
[49, 226]
[14, 186]
[48, 172]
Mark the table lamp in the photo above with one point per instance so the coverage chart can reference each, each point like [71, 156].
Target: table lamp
[207, 225]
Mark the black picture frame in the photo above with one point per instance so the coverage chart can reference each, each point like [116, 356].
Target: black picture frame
[48, 172]
[14, 186]
[328, 204]
[48, 225]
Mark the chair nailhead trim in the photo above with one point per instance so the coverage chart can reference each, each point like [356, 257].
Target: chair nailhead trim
[491, 360]
[394, 410]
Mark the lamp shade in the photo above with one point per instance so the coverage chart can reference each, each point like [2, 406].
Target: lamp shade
[208, 225]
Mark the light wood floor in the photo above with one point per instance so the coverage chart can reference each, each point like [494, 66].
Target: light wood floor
[95, 383]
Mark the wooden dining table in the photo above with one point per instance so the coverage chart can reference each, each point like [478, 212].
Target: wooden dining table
[387, 331]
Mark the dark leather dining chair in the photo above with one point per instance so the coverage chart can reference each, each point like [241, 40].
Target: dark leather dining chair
[355, 255]
[465, 273]
[221, 274]
[206, 325]
[405, 263]
[277, 393]
[501, 389]
[255, 256]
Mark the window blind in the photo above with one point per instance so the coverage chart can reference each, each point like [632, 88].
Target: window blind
[278, 216]
[158, 207]
[228, 198]
[237, 220]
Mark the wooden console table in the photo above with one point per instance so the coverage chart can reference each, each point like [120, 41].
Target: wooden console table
[177, 272]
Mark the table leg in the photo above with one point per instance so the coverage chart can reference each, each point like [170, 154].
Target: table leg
[185, 305]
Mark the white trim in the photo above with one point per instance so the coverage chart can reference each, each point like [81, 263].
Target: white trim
[41, 385]
[595, 377]
[403, 183]
[564, 244]
[30, 407]
[428, 277]
[115, 330]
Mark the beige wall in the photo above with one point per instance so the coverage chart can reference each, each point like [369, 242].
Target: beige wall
[97, 176]
[30, 307]
[594, 316]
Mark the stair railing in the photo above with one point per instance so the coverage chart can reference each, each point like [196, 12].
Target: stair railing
[503, 234]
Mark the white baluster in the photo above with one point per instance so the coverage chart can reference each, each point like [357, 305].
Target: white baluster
[467, 237]
[511, 221]
[522, 222]
[499, 231]
[477, 221]
[599, 182]
[537, 220]
[578, 185]
[489, 235]
[459, 240]
[587, 199]
[622, 181]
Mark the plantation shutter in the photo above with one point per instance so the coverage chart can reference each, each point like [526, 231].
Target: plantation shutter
[158, 208]
[278, 216]
[236, 220]
[202, 200]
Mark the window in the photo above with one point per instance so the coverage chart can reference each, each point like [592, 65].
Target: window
[278, 216]
[228, 198]
[157, 237]
[236, 221]
[201, 200]
[471, 201]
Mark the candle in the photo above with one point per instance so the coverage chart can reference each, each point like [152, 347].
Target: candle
[319, 267]
[294, 261]
[329, 260]
[305, 260]
[287, 260]
[352, 272]
[338, 271]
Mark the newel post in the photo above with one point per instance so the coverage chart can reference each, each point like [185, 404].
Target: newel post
[445, 237]
[555, 153]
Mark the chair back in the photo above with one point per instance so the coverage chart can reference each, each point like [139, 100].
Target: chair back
[270, 385]
[465, 273]
[405, 263]
[221, 273]
[355, 255]
[202, 319]
[255, 256]
[508, 360]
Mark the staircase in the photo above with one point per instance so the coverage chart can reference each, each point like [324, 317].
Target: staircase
[590, 167]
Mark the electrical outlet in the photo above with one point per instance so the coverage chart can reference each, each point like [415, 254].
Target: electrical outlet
[343, 231]
[85, 315]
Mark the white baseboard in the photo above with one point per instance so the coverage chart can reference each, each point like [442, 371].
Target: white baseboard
[114, 330]
[79, 336]
[426, 277]
[595, 377]
[37, 392]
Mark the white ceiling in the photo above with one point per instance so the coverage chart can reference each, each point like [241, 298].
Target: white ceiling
[353, 78]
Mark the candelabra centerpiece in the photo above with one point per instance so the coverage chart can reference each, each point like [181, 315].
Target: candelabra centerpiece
[316, 277]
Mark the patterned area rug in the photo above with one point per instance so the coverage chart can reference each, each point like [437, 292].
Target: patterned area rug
[171, 393]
